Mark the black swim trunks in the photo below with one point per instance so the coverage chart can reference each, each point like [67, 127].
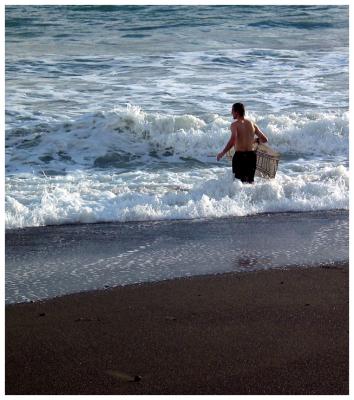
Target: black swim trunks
[244, 165]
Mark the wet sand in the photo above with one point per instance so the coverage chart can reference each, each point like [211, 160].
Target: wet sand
[265, 332]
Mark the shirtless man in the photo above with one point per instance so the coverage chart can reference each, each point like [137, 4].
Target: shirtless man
[243, 133]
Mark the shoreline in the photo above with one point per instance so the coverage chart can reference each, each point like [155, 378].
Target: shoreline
[46, 262]
[312, 213]
[276, 331]
[334, 265]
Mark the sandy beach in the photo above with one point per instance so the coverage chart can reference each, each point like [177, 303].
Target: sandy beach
[266, 332]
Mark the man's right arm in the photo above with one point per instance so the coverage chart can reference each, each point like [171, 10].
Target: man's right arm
[230, 143]
[262, 137]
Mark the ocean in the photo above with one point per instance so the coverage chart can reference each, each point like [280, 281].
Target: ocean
[116, 113]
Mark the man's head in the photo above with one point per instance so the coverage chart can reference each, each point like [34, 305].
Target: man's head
[238, 110]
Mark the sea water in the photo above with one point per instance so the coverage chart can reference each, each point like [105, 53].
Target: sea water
[116, 113]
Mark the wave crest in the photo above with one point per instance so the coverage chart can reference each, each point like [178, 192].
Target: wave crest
[124, 135]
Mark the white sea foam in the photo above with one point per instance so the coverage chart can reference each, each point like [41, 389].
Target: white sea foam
[97, 196]
[127, 164]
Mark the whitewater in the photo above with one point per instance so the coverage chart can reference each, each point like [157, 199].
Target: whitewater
[122, 119]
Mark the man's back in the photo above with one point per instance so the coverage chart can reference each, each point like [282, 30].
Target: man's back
[245, 134]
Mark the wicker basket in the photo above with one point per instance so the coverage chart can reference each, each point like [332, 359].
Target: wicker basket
[267, 162]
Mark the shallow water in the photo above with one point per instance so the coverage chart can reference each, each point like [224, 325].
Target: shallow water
[51, 261]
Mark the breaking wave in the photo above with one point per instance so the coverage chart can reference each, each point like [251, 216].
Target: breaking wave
[126, 135]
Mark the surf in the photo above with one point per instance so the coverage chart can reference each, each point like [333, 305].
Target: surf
[123, 136]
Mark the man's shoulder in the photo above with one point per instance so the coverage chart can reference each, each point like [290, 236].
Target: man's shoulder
[238, 123]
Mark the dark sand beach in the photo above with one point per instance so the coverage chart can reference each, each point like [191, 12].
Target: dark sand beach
[266, 332]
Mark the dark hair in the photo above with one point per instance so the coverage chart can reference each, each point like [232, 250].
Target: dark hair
[240, 108]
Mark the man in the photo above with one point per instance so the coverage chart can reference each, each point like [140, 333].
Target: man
[243, 133]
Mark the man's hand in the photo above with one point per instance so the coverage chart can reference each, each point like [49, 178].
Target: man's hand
[220, 156]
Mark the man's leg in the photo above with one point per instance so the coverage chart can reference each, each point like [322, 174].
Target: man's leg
[251, 164]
